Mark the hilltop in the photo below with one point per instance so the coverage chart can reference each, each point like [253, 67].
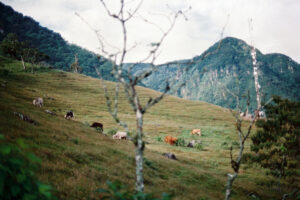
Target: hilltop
[228, 64]
[76, 159]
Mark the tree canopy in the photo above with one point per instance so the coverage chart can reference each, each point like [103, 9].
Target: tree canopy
[277, 140]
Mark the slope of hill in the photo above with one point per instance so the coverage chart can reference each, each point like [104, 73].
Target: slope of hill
[61, 52]
[229, 66]
[77, 159]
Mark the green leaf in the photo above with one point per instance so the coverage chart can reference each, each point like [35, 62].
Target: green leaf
[2, 137]
[5, 149]
[21, 143]
[33, 158]
[21, 178]
[45, 189]
[29, 197]
[15, 190]
[2, 181]
[16, 161]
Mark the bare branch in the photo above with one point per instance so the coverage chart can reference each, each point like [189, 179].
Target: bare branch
[152, 102]
[134, 11]
[114, 113]
[107, 10]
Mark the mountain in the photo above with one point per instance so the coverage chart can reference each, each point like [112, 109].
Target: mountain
[61, 52]
[228, 64]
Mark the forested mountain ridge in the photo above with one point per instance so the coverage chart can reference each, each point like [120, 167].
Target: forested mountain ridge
[227, 66]
[61, 52]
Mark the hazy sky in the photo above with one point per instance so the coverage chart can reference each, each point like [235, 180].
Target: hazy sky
[276, 24]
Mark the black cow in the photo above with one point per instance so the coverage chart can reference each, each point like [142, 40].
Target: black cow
[97, 125]
[69, 115]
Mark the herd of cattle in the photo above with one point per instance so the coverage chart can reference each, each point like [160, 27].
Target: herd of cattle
[120, 135]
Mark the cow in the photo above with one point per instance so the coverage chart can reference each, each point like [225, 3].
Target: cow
[170, 156]
[193, 143]
[97, 125]
[196, 132]
[170, 140]
[38, 101]
[69, 115]
[120, 135]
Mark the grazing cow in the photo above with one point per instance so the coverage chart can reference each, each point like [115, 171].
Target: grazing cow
[69, 115]
[196, 132]
[193, 143]
[120, 135]
[38, 101]
[170, 140]
[170, 156]
[97, 125]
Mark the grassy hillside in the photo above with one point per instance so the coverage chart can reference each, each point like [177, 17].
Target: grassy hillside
[77, 159]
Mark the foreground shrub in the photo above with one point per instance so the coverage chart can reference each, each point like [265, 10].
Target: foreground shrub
[111, 131]
[180, 142]
[116, 191]
[17, 168]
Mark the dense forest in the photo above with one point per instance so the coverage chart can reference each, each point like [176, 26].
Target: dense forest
[61, 52]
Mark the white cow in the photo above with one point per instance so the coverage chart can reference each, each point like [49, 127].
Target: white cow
[38, 101]
[120, 135]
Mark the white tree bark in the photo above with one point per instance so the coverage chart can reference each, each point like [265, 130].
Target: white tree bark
[255, 75]
[23, 64]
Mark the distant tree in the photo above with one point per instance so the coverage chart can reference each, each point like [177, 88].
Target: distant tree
[277, 141]
[34, 56]
[75, 67]
[12, 47]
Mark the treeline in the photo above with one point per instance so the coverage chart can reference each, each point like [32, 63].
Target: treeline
[60, 52]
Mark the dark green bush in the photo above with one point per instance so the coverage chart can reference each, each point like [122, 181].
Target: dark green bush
[17, 168]
[111, 131]
[117, 191]
[159, 139]
[99, 129]
[199, 147]
[180, 142]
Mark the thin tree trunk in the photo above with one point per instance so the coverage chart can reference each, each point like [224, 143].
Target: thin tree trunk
[231, 178]
[24, 67]
[139, 148]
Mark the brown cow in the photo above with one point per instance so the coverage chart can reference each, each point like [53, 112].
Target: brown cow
[170, 140]
[196, 132]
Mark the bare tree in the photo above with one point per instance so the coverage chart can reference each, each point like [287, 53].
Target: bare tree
[243, 135]
[75, 67]
[123, 74]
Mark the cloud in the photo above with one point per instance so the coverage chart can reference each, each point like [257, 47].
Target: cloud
[276, 24]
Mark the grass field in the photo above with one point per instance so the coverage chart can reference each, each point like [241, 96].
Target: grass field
[78, 159]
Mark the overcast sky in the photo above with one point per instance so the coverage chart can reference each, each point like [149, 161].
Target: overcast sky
[276, 24]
